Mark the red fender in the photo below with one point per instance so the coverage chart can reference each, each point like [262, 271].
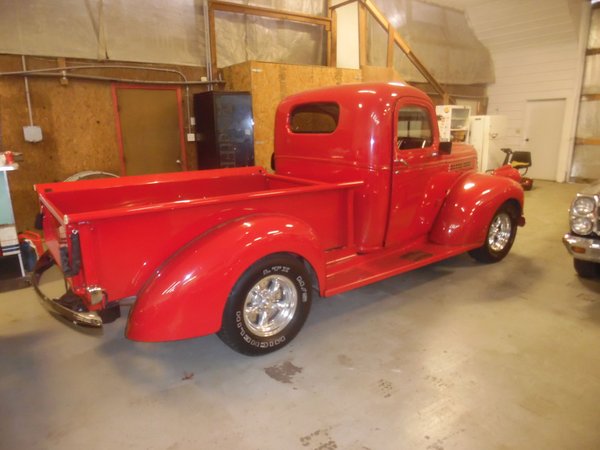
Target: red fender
[470, 206]
[507, 171]
[185, 297]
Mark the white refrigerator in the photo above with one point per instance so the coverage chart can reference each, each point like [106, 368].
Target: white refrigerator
[488, 135]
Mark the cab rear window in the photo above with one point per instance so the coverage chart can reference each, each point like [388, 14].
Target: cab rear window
[315, 118]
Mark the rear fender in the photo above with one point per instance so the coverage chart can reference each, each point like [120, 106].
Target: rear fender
[470, 206]
[185, 297]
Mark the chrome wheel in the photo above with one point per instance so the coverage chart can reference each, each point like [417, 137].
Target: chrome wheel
[267, 305]
[500, 232]
[270, 305]
[500, 235]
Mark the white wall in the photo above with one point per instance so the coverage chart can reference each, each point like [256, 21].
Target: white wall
[537, 54]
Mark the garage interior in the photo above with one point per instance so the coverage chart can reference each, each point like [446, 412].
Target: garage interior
[455, 355]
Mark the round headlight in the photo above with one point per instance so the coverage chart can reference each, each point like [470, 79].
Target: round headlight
[581, 225]
[583, 206]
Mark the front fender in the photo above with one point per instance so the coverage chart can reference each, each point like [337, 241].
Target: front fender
[185, 297]
[470, 206]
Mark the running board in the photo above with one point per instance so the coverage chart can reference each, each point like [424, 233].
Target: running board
[361, 270]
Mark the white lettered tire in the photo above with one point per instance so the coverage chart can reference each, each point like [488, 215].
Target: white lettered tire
[268, 306]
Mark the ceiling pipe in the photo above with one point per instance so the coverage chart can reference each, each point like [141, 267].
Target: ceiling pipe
[61, 71]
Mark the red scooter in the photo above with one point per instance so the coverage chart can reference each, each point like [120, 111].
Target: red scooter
[516, 165]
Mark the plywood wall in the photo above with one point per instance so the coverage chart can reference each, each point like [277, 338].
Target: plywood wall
[79, 120]
[78, 124]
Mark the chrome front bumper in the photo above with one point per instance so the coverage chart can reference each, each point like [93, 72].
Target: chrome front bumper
[68, 306]
[587, 249]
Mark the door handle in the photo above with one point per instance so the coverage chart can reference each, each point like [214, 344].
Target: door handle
[401, 161]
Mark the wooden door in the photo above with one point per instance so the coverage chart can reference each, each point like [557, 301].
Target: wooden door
[150, 129]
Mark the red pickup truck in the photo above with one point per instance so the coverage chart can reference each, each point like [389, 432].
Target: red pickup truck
[363, 190]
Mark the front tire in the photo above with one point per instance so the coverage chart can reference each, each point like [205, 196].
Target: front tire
[267, 307]
[500, 236]
[586, 269]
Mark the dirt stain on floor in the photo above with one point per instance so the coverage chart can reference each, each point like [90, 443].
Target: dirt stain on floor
[284, 372]
[319, 440]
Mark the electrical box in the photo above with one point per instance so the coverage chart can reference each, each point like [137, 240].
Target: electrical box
[32, 133]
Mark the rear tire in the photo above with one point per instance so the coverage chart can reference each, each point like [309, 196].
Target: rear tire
[499, 237]
[586, 269]
[267, 307]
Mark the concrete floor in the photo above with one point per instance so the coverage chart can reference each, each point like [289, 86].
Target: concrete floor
[453, 356]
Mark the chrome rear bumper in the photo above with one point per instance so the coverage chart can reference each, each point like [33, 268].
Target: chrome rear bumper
[69, 306]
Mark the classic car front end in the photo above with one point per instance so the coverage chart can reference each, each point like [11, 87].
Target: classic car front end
[583, 242]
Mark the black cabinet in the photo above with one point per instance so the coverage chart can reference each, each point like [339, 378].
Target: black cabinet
[224, 129]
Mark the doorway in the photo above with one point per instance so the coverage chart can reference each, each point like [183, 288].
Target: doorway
[149, 129]
[544, 120]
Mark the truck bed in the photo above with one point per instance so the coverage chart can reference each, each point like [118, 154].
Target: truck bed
[128, 225]
[92, 199]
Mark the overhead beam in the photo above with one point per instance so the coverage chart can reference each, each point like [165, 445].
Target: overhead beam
[223, 6]
[362, 35]
[390, 46]
[590, 97]
[587, 141]
[217, 5]
[332, 36]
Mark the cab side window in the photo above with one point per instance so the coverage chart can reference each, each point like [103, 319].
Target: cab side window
[414, 128]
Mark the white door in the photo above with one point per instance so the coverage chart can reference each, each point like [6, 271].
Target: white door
[544, 120]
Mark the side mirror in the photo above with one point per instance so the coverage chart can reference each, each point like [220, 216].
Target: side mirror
[445, 148]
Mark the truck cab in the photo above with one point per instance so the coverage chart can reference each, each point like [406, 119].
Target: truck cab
[385, 135]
